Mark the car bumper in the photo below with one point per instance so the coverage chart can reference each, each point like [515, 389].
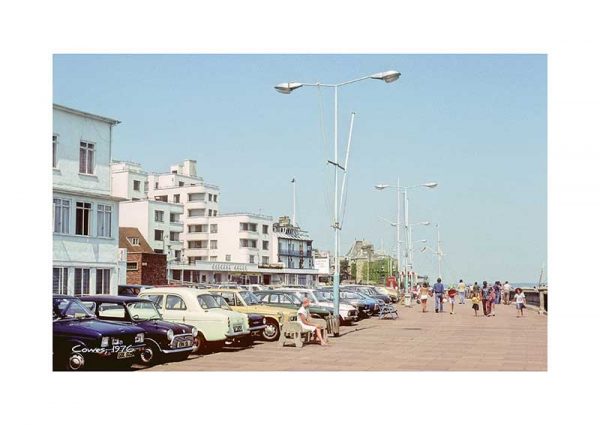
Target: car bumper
[230, 335]
[132, 352]
[256, 328]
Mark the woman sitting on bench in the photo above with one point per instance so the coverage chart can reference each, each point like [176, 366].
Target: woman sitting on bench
[303, 318]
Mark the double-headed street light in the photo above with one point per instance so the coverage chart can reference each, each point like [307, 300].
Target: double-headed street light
[408, 247]
[287, 88]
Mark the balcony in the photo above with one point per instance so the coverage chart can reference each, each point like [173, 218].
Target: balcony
[295, 253]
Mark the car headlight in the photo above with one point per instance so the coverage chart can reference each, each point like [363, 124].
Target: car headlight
[194, 332]
[170, 335]
[264, 321]
[139, 338]
[104, 342]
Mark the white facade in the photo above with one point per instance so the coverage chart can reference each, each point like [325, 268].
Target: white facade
[86, 256]
[129, 181]
[159, 222]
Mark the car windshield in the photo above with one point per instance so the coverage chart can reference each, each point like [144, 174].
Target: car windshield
[321, 296]
[141, 311]
[350, 295]
[380, 291]
[294, 299]
[69, 308]
[222, 303]
[249, 298]
[207, 301]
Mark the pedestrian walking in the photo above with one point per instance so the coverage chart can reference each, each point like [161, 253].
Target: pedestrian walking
[475, 300]
[475, 289]
[484, 294]
[451, 299]
[506, 293]
[520, 301]
[461, 292]
[498, 290]
[438, 294]
[491, 299]
[423, 296]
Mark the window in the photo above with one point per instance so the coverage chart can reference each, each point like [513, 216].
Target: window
[60, 280]
[104, 221]
[156, 185]
[174, 218]
[214, 228]
[158, 235]
[248, 243]
[54, 151]
[198, 228]
[248, 227]
[228, 257]
[145, 186]
[177, 255]
[210, 197]
[61, 215]
[83, 211]
[213, 258]
[214, 198]
[176, 199]
[133, 241]
[82, 282]
[251, 259]
[136, 185]
[197, 244]
[174, 236]
[181, 184]
[213, 244]
[159, 216]
[265, 260]
[86, 158]
[158, 251]
[175, 303]
[210, 213]
[197, 212]
[198, 196]
[156, 299]
[132, 265]
[265, 244]
[102, 281]
[265, 229]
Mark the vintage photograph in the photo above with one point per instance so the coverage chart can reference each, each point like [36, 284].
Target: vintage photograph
[299, 212]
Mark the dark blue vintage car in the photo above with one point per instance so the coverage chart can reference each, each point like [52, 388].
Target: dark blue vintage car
[165, 341]
[81, 341]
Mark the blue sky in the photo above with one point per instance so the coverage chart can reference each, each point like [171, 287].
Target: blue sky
[476, 124]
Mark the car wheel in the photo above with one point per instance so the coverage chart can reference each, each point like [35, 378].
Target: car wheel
[271, 332]
[199, 344]
[150, 354]
[74, 362]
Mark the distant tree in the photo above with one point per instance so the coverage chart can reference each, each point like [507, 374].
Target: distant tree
[344, 270]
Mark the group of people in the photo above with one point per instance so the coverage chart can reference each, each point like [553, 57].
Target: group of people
[487, 295]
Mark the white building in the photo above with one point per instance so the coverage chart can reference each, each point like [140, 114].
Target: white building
[86, 255]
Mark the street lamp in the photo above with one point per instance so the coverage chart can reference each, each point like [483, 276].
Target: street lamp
[287, 88]
[408, 247]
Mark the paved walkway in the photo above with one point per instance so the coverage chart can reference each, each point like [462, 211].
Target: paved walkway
[415, 342]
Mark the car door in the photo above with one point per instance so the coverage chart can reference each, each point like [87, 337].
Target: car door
[174, 308]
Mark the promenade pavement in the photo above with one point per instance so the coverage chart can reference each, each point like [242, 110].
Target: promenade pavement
[413, 342]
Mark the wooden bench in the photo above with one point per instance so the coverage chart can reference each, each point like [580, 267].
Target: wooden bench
[388, 309]
[293, 332]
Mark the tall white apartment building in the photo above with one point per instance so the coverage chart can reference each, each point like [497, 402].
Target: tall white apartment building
[86, 255]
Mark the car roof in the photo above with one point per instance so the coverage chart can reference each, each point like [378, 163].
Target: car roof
[173, 290]
[112, 298]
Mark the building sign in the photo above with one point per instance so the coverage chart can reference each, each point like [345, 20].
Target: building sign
[322, 265]
[225, 267]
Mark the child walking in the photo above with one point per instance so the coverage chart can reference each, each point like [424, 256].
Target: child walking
[475, 300]
[520, 301]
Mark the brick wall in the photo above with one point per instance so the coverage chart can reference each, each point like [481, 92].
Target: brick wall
[151, 269]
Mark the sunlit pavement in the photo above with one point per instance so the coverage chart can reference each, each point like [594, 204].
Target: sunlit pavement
[415, 341]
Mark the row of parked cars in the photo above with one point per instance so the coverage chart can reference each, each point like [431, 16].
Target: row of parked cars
[150, 325]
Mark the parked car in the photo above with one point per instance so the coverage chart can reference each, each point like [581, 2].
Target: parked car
[81, 340]
[364, 307]
[197, 308]
[390, 292]
[246, 302]
[256, 322]
[370, 292]
[286, 298]
[165, 341]
[132, 290]
[347, 312]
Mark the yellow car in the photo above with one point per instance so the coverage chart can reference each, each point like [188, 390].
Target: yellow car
[244, 301]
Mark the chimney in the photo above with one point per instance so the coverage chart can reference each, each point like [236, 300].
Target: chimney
[189, 168]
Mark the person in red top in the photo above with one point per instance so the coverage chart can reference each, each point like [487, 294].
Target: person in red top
[451, 298]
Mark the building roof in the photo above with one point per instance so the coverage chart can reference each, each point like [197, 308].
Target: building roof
[132, 232]
[110, 121]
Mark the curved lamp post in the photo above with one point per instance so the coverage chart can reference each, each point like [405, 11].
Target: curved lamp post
[287, 88]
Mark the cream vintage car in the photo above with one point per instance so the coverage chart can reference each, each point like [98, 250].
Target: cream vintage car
[246, 302]
[196, 307]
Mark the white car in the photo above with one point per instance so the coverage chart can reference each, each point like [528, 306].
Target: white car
[347, 312]
[198, 308]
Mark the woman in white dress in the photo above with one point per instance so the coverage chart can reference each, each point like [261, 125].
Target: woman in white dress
[303, 318]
